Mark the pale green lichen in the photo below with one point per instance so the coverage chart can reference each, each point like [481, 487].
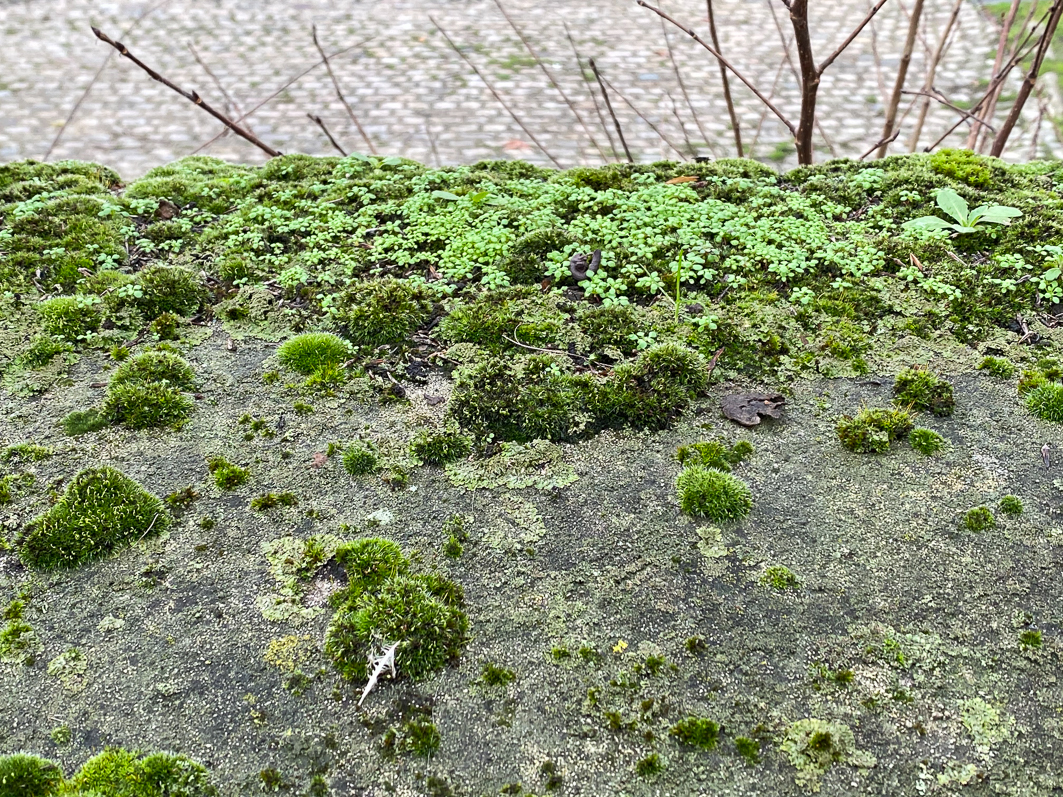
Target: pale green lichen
[538, 464]
[812, 746]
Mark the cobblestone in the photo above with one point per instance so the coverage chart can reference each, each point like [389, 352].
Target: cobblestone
[417, 98]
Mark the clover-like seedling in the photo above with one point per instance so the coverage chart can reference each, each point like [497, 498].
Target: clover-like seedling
[967, 220]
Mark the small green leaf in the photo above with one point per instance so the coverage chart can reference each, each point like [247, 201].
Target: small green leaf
[953, 204]
[392, 161]
[1051, 274]
[479, 197]
[358, 156]
[446, 195]
[997, 214]
[927, 223]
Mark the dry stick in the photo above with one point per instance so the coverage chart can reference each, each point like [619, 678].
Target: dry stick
[686, 95]
[590, 91]
[542, 66]
[878, 61]
[494, 93]
[931, 71]
[764, 112]
[188, 95]
[1001, 139]
[325, 130]
[432, 142]
[231, 103]
[937, 97]
[612, 113]
[1041, 110]
[275, 94]
[726, 82]
[682, 126]
[991, 107]
[890, 130]
[88, 88]
[1002, 46]
[719, 57]
[339, 93]
[652, 126]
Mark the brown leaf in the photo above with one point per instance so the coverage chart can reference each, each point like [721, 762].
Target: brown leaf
[166, 210]
[319, 460]
[678, 180]
[746, 409]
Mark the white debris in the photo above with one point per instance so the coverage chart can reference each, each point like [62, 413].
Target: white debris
[378, 664]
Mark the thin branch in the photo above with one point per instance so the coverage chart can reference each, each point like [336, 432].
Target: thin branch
[931, 70]
[683, 88]
[830, 58]
[191, 96]
[652, 126]
[317, 120]
[590, 91]
[339, 93]
[735, 127]
[885, 142]
[283, 88]
[957, 109]
[991, 107]
[682, 126]
[231, 103]
[494, 93]
[542, 66]
[764, 111]
[890, 129]
[432, 142]
[88, 88]
[725, 62]
[1002, 47]
[612, 113]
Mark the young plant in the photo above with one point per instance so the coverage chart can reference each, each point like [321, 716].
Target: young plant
[967, 221]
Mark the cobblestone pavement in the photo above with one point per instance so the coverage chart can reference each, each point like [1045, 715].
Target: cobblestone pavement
[415, 96]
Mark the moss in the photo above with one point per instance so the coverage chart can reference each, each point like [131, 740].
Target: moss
[493, 675]
[122, 773]
[780, 578]
[697, 732]
[1046, 401]
[453, 547]
[1030, 380]
[155, 366]
[873, 429]
[997, 366]
[384, 603]
[926, 441]
[714, 454]
[227, 476]
[718, 496]
[311, 351]
[749, 749]
[965, 166]
[41, 351]
[528, 256]
[1011, 505]
[361, 459]
[101, 511]
[494, 319]
[653, 391]
[649, 766]
[261, 503]
[146, 405]
[19, 643]
[168, 289]
[922, 390]
[166, 327]
[979, 519]
[419, 737]
[1030, 639]
[440, 448]
[81, 422]
[612, 326]
[380, 312]
[70, 318]
[24, 775]
[812, 746]
[26, 452]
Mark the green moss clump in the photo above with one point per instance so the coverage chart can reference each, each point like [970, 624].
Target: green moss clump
[780, 578]
[419, 737]
[381, 312]
[384, 603]
[649, 766]
[749, 749]
[610, 327]
[1046, 402]
[979, 519]
[696, 732]
[1011, 505]
[147, 406]
[713, 494]
[922, 390]
[1030, 380]
[227, 476]
[1030, 639]
[81, 422]
[168, 289]
[812, 746]
[310, 352]
[361, 459]
[41, 351]
[101, 511]
[26, 452]
[873, 429]
[122, 773]
[926, 441]
[964, 166]
[652, 391]
[997, 366]
[71, 318]
[166, 326]
[261, 503]
[494, 319]
[155, 366]
[493, 675]
[714, 454]
[440, 448]
[24, 775]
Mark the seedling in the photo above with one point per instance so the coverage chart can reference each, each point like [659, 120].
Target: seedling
[967, 220]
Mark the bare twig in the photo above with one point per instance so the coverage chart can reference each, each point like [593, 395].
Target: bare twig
[889, 131]
[77, 105]
[991, 107]
[339, 93]
[495, 94]
[432, 142]
[882, 144]
[549, 76]
[317, 120]
[686, 95]
[931, 71]
[231, 104]
[591, 92]
[852, 36]
[189, 95]
[284, 87]
[682, 126]
[1002, 47]
[937, 98]
[639, 114]
[735, 127]
[612, 113]
[716, 54]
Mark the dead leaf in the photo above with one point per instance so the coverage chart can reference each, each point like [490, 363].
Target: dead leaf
[166, 210]
[746, 409]
[678, 180]
[319, 460]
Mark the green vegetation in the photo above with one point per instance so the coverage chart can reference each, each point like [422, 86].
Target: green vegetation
[649, 766]
[147, 391]
[101, 511]
[261, 503]
[310, 352]
[227, 476]
[696, 732]
[812, 746]
[71, 318]
[1030, 639]
[921, 390]
[713, 494]
[361, 459]
[966, 220]
[749, 749]
[440, 448]
[979, 519]
[714, 454]
[26, 452]
[1046, 401]
[873, 429]
[997, 366]
[122, 773]
[28, 776]
[81, 422]
[780, 578]
[419, 737]
[1011, 505]
[493, 675]
[385, 603]
[925, 441]
[380, 312]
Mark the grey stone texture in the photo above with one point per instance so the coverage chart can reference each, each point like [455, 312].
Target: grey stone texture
[415, 97]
